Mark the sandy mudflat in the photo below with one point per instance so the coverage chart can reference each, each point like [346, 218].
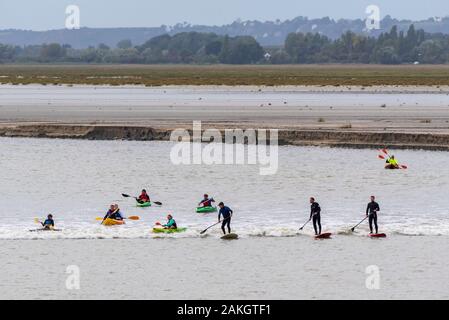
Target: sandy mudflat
[391, 109]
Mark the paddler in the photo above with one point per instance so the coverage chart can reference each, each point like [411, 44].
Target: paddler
[49, 223]
[393, 162]
[113, 213]
[144, 197]
[315, 215]
[371, 212]
[171, 223]
[206, 202]
[226, 212]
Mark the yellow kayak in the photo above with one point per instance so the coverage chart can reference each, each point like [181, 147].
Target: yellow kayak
[112, 222]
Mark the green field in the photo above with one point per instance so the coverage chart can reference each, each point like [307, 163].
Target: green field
[269, 75]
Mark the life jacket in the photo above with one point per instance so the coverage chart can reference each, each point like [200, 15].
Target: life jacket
[393, 162]
[144, 197]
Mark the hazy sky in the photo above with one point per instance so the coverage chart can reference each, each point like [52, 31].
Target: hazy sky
[50, 14]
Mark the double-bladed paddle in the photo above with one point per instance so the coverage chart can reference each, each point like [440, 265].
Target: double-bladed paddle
[140, 201]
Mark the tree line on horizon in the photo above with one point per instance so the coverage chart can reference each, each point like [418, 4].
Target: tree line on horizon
[393, 47]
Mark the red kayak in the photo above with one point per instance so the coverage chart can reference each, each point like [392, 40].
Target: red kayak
[323, 236]
[378, 235]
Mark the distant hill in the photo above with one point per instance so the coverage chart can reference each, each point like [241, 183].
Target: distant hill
[268, 33]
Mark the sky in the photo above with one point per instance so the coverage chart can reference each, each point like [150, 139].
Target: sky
[50, 14]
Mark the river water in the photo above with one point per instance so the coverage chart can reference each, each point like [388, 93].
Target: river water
[77, 180]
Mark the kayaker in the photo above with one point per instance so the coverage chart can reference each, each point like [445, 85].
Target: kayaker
[206, 202]
[371, 212]
[113, 213]
[144, 197]
[171, 223]
[315, 215]
[226, 212]
[49, 223]
[393, 162]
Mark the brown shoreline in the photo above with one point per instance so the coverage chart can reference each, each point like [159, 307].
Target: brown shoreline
[296, 137]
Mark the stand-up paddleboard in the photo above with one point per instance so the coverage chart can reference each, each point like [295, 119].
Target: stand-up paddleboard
[45, 230]
[377, 235]
[230, 236]
[324, 236]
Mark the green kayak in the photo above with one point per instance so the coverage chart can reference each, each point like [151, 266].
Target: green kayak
[162, 230]
[143, 205]
[206, 209]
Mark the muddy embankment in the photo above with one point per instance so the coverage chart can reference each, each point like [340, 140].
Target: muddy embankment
[333, 138]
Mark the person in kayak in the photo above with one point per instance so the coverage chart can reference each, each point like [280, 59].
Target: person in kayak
[49, 223]
[113, 213]
[371, 212]
[315, 215]
[226, 212]
[144, 197]
[392, 162]
[171, 223]
[206, 202]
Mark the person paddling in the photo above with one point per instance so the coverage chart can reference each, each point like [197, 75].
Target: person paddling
[144, 197]
[113, 213]
[371, 212]
[226, 212]
[315, 215]
[171, 223]
[206, 202]
[49, 223]
[392, 162]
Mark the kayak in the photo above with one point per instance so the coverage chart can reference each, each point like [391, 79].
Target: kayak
[323, 236]
[162, 230]
[378, 235]
[206, 209]
[391, 167]
[112, 222]
[143, 205]
[230, 236]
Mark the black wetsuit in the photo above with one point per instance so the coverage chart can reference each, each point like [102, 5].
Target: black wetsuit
[371, 210]
[315, 215]
[227, 214]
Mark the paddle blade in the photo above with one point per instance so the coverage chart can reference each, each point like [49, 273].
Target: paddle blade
[134, 218]
[381, 157]
[36, 220]
[158, 203]
[403, 166]
[385, 151]
[126, 195]
[98, 219]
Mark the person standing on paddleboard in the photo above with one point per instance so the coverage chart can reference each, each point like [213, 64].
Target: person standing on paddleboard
[371, 212]
[226, 212]
[315, 215]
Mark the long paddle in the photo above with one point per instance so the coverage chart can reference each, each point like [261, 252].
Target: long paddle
[205, 230]
[305, 224]
[359, 223]
[129, 218]
[139, 201]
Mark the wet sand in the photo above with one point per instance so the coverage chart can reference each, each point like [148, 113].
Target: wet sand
[210, 268]
[411, 117]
